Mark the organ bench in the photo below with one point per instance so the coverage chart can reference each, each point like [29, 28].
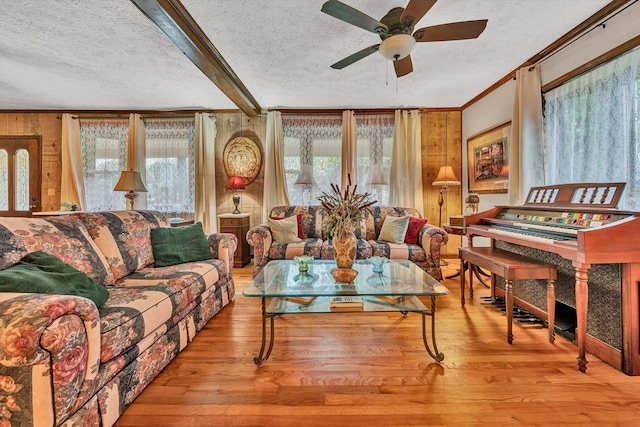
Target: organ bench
[510, 267]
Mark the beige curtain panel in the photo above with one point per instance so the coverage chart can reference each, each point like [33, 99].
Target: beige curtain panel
[72, 177]
[405, 187]
[205, 200]
[526, 149]
[136, 154]
[349, 148]
[275, 180]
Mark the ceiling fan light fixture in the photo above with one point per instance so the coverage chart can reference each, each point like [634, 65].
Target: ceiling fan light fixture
[397, 46]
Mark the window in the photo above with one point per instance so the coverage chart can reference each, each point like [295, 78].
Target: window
[312, 148]
[104, 156]
[375, 144]
[592, 128]
[22, 180]
[170, 166]
[20, 186]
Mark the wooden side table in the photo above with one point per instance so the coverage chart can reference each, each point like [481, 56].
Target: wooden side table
[238, 225]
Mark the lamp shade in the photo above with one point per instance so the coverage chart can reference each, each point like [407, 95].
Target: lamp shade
[305, 177]
[376, 176]
[397, 47]
[236, 183]
[130, 181]
[446, 177]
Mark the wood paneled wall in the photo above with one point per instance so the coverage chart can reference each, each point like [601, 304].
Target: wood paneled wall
[441, 145]
[230, 125]
[49, 127]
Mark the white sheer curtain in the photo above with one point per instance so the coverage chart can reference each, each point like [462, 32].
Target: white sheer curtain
[526, 152]
[375, 143]
[104, 155]
[205, 171]
[406, 164]
[592, 128]
[312, 141]
[170, 166]
[275, 180]
[72, 179]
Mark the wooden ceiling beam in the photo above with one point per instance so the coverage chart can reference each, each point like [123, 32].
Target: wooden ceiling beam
[178, 25]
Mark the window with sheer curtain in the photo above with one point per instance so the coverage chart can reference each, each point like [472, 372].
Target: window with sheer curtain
[104, 156]
[170, 166]
[374, 146]
[312, 155]
[313, 148]
[592, 128]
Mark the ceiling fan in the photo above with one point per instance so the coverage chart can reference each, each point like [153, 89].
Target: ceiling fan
[396, 31]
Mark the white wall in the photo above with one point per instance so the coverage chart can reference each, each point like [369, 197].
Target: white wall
[497, 107]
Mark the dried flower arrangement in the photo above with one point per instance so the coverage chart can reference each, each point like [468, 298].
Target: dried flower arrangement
[344, 209]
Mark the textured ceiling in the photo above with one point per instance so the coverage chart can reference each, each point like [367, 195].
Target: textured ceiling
[106, 55]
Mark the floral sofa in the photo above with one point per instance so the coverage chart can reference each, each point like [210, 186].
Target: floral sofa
[65, 362]
[425, 254]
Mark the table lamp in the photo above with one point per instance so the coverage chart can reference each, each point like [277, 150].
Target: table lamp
[376, 180]
[130, 181]
[306, 179]
[236, 183]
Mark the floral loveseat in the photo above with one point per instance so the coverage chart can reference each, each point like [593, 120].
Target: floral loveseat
[425, 254]
[63, 361]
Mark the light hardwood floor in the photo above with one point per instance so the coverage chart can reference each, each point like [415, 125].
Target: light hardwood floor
[372, 370]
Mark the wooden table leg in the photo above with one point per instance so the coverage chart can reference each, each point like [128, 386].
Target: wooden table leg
[462, 282]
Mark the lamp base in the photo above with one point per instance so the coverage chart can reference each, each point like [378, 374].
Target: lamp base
[131, 198]
[236, 202]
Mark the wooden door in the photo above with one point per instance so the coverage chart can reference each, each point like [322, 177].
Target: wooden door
[20, 179]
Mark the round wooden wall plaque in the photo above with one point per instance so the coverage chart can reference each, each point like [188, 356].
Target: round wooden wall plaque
[242, 157]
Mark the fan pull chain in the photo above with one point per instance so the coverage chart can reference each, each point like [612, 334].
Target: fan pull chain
[387, 72]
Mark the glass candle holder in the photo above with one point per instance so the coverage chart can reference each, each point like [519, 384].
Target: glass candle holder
[303, 263]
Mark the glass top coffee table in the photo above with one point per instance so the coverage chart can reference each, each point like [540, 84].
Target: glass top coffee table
[284, 290]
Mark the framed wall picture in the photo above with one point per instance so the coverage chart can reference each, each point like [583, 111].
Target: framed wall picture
[487, 160]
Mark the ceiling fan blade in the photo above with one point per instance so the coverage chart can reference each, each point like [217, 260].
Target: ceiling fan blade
[415, 10]
[353, 16]
[453, 31]
[403, 66]
[355, 57]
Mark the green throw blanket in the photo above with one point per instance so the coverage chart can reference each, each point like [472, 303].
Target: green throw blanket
[41, 273]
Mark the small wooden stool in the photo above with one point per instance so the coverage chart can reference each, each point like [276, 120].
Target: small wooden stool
[511, 267]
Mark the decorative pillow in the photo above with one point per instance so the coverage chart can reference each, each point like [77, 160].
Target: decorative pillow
[284, 230]
[178, 245]
[394, 229]
[413, 230]
[41, 273]
[300, 229]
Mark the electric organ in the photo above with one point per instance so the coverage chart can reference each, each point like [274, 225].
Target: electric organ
[579, 223]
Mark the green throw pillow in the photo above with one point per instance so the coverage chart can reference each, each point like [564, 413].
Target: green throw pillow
[177, 245]
[41, 273]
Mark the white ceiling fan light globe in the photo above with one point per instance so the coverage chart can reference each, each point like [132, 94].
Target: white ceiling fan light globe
[397, 46]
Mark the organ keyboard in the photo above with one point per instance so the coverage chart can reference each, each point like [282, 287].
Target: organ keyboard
[579, 222]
